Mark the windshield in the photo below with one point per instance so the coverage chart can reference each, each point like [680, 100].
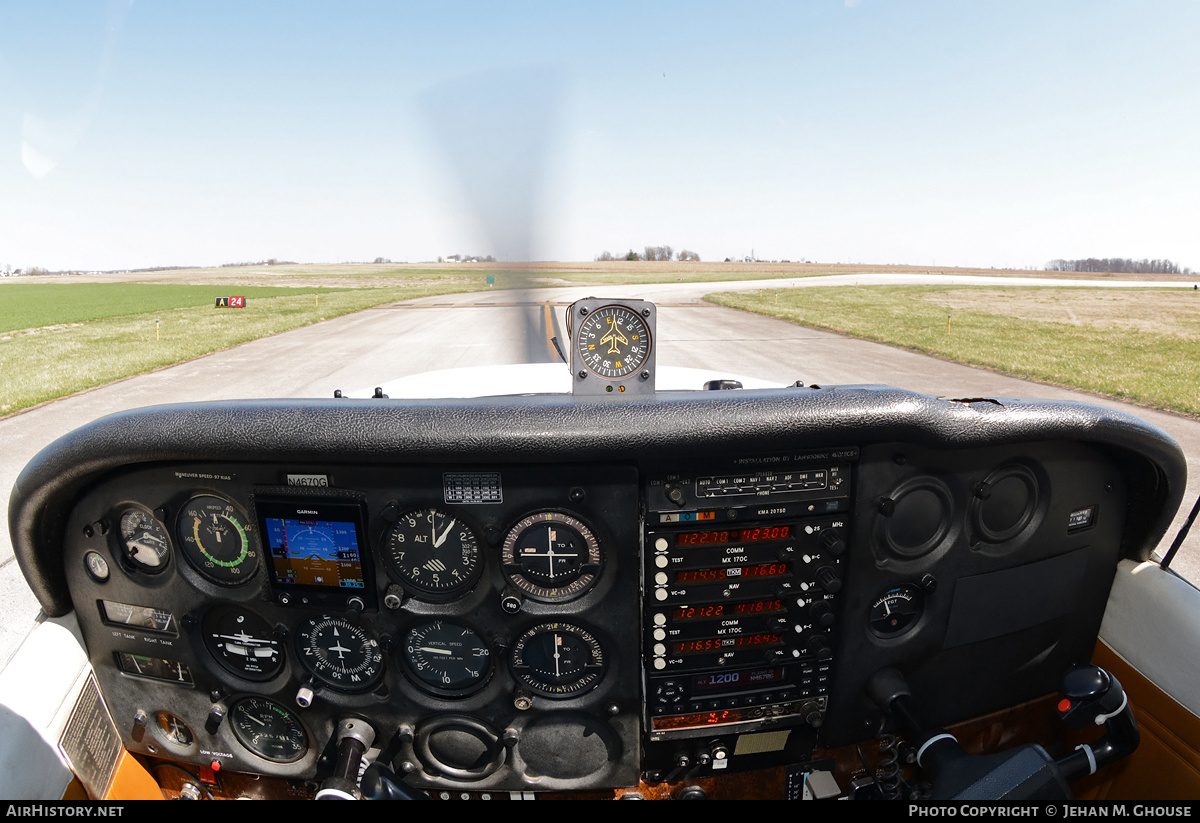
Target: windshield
[215, 201]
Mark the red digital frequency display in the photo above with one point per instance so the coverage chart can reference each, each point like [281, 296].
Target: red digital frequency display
[717, 644]
[731, 573]
[728, 609]
[733, 536]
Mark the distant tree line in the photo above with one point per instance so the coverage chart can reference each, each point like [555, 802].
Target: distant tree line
[268, 262]
[651, 253]
[1118, 265]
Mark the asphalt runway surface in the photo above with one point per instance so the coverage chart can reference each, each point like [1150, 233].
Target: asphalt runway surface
[358, 351]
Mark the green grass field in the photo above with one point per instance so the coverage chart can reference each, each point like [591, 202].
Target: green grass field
[1138, 345]
[32, 305]
[69, 351]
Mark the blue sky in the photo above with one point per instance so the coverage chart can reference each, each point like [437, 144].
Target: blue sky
[933, 133]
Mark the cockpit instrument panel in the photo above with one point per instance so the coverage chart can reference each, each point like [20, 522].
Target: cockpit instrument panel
[597, 594]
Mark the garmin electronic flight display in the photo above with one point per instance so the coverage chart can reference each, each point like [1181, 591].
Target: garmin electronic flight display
[317, 552]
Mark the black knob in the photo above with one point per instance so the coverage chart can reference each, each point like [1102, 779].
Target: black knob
[827, 576]
[818, 645]
[832, 542]
[822, 614]
[215, 715]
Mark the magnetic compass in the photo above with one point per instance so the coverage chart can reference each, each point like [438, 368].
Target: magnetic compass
[612, 346]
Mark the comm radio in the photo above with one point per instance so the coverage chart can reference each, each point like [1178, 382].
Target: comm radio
[742, 569]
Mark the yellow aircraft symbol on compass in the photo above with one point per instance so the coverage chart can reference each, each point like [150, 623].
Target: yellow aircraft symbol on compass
[614, 337]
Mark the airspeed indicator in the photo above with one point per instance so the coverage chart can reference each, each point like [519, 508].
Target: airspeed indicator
[217, 540]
